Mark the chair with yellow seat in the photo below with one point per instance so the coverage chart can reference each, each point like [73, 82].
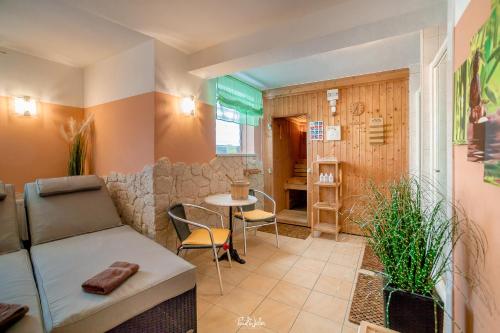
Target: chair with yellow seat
[253, 218]
[202, 236]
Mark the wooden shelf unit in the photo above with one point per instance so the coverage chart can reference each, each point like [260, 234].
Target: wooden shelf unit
[332, 191]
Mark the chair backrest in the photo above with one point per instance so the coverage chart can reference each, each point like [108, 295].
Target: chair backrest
[64, 207]
[9, 231]
[181, 227]
[249, 207]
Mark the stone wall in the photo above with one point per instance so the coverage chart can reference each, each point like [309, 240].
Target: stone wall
[143, 198]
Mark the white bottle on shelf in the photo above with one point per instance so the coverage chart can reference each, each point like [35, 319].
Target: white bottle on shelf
[330, 178]
[321, 178]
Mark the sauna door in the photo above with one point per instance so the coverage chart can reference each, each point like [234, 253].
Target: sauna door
[289, 166]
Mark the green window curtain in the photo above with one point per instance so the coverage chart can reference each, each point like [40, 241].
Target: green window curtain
[238, 102]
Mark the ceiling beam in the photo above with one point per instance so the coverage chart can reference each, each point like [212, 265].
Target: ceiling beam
[347, 24]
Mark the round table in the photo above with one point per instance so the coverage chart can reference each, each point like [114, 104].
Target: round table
[225, 200]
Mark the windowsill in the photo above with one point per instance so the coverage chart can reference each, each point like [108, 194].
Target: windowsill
[235, 155]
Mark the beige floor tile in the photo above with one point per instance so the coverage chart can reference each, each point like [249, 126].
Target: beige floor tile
[350, 327]
[251, 263]
[326, 306]
[347, 248]
[347, 260]
[278, 317]
[252, 329]
[312, 265]
[307, 322]
[292, 249]
[289, 293]
[240, 301]
[207, 288]
[202, 307]
[258, 284]
[301, 277]
[261, 250]
[340, 272]
[273, 270]
[316, 253]
[283, 258]
[233, 275]
[333, 286]
[322, 244]
[218, 320]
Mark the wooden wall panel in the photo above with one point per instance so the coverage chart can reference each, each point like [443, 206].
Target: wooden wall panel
[383, 95]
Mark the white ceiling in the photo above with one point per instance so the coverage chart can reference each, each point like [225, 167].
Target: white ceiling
[61, 33]
[193, 25]
[386, 54]
[274, 42]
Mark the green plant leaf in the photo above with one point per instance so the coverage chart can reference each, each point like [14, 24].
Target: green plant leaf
[491, 95]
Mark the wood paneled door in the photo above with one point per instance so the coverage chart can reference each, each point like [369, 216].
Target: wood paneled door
[382, 95]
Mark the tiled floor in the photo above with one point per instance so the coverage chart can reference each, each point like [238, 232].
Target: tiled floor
[304, 286]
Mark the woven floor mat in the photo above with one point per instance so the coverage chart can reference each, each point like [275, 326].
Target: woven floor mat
[368, 300]
[371, 261]
[288, 230]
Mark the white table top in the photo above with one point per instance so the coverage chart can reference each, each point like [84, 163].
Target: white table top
[225, 200]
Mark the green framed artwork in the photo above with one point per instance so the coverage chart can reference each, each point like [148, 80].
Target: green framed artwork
[476, 120]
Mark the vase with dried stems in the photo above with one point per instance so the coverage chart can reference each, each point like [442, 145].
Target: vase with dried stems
[77, 136]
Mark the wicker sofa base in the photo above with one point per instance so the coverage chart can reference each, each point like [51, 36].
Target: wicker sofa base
[176, 315]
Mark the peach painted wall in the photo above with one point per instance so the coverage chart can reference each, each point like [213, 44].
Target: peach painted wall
[32, 147]
[123, 139]
[183, 138]
[481, 202]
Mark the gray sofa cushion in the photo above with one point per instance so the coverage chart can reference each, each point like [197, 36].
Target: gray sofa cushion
[65, 215]
[9, 230]
[54, 186]
[18, 287]
[61, 267]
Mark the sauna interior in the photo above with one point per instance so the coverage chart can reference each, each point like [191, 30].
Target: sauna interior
[290, 169]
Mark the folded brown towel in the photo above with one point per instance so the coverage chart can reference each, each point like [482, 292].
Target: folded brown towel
[10, 314]
[110, 279]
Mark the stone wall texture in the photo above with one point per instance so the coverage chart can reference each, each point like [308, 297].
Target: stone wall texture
[142, 198]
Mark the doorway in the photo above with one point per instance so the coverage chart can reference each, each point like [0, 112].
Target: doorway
[290, 169]
[441, 173]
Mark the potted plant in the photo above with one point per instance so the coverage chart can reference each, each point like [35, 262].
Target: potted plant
[77, 136]
[411, 232]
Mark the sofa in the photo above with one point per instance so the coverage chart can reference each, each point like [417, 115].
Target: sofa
[17, 281]
[74, 233]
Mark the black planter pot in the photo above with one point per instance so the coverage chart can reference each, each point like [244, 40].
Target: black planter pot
[412, 313]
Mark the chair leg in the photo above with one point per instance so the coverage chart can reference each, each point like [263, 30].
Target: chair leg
[218, 271]
[244, 238]
[229, 258]
[276, 229]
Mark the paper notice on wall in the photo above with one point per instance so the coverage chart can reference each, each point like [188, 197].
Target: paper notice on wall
[316, 130]
[333, 133]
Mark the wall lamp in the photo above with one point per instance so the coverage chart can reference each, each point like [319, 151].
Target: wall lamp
[25, 106]
[188, 106]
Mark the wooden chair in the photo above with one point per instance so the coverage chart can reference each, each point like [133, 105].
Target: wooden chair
[254, 218]
[202, 237]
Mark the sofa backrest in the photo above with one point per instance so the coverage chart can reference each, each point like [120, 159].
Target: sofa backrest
[63, 207]
[9, 230]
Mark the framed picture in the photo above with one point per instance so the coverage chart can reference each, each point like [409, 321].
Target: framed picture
[333, 133]
[316, 130]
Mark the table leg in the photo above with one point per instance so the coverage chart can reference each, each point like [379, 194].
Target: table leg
[232, 251]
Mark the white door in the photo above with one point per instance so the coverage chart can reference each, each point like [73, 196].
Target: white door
[441, 156]
[439, 172]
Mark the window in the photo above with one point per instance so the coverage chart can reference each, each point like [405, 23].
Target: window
[231, 137]
[239, 110]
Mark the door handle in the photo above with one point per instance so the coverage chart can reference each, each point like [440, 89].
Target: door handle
[437, 170]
